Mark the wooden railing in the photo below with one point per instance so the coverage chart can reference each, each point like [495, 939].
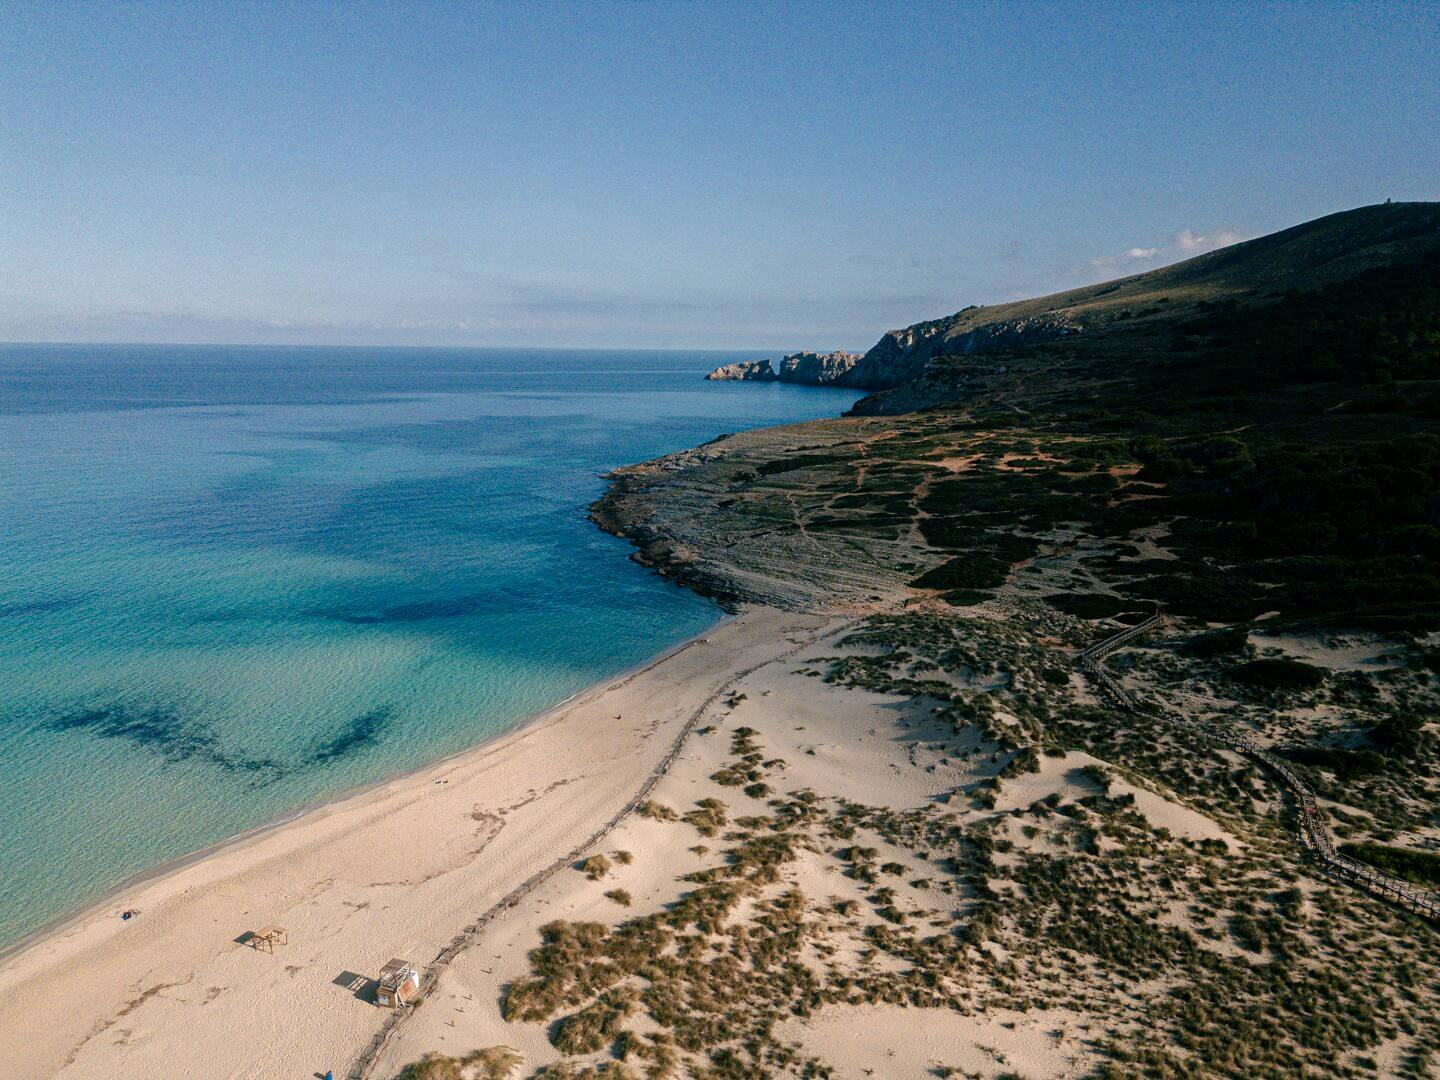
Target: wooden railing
[1314, 833]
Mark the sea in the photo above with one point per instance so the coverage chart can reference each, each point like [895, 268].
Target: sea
[235, 581]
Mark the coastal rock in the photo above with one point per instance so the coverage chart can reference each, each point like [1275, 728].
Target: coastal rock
[687, 516]
[805, 368]
[817, 369]
[903, 355]
[744, 371]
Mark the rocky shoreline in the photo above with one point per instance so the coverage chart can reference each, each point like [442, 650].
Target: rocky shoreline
[805, 368]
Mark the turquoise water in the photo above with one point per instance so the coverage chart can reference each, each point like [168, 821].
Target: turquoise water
[235, 580]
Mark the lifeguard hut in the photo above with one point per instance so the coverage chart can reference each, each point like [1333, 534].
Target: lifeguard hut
[399, 984]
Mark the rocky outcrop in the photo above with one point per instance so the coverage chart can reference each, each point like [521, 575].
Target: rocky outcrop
[902, 356]
[744, 371]
[690, 517]
[806, 368]
[899, 356]
[817, 369]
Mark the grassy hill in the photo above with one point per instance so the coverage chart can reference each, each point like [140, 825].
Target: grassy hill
[1310, 256]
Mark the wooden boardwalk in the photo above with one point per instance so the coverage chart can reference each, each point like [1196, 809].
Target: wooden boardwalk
[1314, 833]
[365, 1064]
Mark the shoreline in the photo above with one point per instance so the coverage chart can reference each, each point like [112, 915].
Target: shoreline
[462, 943]
[158, 872]
[402, 867]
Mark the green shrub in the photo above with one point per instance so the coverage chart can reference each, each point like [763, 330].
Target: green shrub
[1223, 642]
[1278, 674]
[708, 816]
[1399, 736]
[598, 1023]
[656, 812]
[974, 570]
[1089, 605]
[492, 1062]
[1343, 763]
[1418, 867]
[433, 1066]
[489, 1063]
[800, 461]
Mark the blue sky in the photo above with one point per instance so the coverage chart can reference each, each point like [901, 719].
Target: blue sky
[687, 175]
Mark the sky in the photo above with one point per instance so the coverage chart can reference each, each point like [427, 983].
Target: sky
[692, 175]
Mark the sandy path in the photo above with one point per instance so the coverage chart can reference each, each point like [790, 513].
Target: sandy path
[398, 870]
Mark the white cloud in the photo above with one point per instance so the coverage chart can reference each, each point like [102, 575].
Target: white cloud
[1192, 243]
[1125, 258]
[1183, 245]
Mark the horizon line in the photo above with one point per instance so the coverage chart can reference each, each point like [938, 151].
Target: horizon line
[372, 345]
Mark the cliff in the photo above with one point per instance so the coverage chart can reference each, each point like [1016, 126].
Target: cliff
[818, 369]
[744, 371]
[807, 368]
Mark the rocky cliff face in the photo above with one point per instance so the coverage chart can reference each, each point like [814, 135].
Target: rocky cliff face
[817, 369]
[898, 357]
[807, 368]
[903, 355]
[744, 371]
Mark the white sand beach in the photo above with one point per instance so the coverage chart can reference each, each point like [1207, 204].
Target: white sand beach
[395, 871]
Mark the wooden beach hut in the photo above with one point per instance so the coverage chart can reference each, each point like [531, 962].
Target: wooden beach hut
[399, 983]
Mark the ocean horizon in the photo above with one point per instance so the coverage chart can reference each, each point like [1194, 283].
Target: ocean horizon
[238, 580]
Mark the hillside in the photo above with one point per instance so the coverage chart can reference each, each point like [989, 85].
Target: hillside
[1285, 440]
[1309, 256]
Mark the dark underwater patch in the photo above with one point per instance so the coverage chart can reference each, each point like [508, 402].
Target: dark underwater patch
[164, 732]
[39, 607]
[364, 730]
[419, 611]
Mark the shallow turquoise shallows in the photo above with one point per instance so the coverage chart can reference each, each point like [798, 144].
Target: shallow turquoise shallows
[236, 580]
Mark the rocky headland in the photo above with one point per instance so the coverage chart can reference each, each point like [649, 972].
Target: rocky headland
[744, 371]
[957, 356]
[1243, 448]
[806, 368]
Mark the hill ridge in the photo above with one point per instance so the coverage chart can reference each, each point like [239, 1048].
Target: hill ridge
[1308, 255]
